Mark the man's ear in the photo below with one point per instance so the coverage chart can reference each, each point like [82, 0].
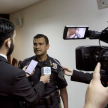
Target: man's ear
[8, 42]
[48, 47]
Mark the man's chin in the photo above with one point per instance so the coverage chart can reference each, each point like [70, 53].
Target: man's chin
[38, 54]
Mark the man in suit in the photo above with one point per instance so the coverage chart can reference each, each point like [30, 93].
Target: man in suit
[14, 86]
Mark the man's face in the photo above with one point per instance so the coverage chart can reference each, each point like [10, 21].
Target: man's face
[40, 46]
[71, 31]
[12, 44]
[76, 31]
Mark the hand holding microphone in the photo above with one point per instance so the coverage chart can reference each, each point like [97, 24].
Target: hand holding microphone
[45, 73]
[45, 79]
[68, 71]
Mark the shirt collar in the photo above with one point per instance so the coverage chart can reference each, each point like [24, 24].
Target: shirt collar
[41, 64]
[39, 61]
[72, 36]
[3, 56]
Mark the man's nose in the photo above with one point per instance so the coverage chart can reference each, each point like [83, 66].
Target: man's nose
[37, 46]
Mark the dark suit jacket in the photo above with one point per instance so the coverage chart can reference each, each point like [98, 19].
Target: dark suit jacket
[81, 77]
[14, 86]
[87, 77]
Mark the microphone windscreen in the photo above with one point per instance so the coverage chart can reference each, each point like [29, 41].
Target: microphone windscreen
[46, 71]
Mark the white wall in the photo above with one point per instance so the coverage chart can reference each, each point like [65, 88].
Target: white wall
[49, 17]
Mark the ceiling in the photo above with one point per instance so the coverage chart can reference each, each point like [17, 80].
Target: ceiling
[102, 4]
[10, 6]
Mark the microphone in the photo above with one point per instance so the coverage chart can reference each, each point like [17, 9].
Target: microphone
[45, 70]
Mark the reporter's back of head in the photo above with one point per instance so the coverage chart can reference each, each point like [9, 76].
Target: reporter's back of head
[14, 86]
[7, 35]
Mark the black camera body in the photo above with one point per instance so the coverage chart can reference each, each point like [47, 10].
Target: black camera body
[88, 56]
[84, 58]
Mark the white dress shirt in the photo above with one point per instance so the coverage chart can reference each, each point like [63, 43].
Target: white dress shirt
[72, 36]
[3, 56]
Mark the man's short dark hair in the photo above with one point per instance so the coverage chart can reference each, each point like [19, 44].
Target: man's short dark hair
[42, 36]
[6, 30]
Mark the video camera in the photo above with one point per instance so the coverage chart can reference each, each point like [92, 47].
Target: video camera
[88, 56]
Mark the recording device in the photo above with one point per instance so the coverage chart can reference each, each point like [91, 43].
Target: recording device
[46, 70]
[75, 32]
[88, 56]
[31, 67]
[58, 63]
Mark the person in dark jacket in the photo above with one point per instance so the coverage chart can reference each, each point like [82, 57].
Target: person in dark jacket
[14, 86]
[78, 76]
[96, 94]
[57, 80]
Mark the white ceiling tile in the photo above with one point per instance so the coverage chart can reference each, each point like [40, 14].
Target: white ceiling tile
[10, 6]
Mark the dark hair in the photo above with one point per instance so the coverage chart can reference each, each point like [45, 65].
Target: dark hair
[42, 36]
[6, 30]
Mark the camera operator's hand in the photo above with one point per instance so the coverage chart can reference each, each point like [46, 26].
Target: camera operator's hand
[96, 94]
[27, 74]
[68, 71]
[45, 79]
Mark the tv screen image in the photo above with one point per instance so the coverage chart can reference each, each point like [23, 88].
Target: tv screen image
[76, 32]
